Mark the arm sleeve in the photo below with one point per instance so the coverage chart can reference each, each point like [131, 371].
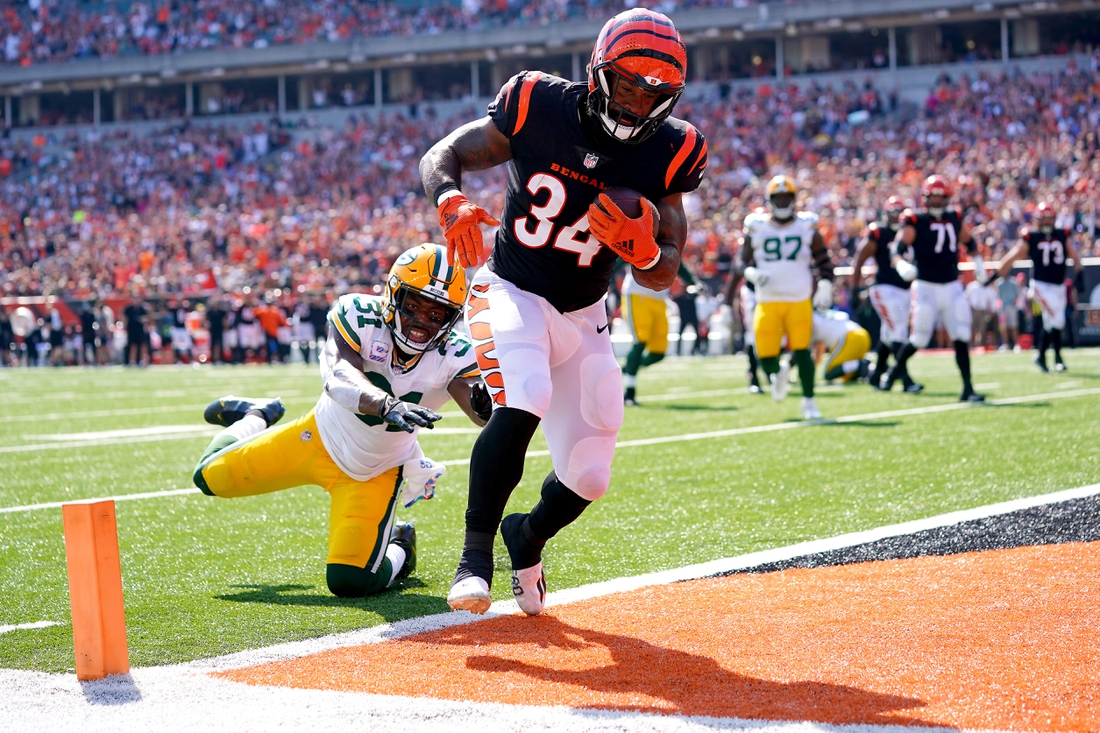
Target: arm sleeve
[685, 172]
[510, 109]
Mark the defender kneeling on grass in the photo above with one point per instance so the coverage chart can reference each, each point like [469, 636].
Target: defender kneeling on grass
[389, 362]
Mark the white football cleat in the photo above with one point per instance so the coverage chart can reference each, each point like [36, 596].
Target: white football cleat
[529, 588]
[781, 382]
[470, 594]
[809, 409]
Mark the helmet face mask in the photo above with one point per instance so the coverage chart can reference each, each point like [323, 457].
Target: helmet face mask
[1046, 217]
[936, 192]
[638, 54]
[893, 210]
[423, 299]
[780, 195]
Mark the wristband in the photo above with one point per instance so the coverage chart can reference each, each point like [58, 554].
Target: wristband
[444, 192]
[652, 264]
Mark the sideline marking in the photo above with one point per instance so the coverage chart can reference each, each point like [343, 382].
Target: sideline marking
[408, 627]
[930, 409]
[32, 625]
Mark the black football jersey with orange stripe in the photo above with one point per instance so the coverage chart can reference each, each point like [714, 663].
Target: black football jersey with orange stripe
[883, 237]
[1047, 252]
[936, 246]
[556, 172]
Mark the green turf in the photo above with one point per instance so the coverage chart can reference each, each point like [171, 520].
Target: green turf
[204, 576]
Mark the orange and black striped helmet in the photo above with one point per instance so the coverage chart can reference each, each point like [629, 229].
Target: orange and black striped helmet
[643, 48]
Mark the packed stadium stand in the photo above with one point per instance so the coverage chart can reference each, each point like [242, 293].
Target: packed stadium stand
[187, 148]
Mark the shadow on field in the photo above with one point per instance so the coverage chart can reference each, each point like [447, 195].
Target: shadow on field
[116, 689]
[635, 674]
[700, 408]
[391, 604]
[860, 423]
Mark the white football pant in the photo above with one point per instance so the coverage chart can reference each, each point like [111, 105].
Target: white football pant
[1052, 299]
[947, 301]
[891, 303]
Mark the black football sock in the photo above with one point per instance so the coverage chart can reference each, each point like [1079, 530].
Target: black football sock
[496, 467]
[883, 354]
[634, 359]
[1044, 344]
[754, 363]
[770, 364]
[558, 507]
[1056, 342]
[651, 358]
[806, 370]
[962, 359]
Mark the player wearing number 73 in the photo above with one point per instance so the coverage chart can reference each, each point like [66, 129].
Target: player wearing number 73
[780, 246]
[535, 313]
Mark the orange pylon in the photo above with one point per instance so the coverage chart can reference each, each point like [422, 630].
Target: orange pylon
[95, 589]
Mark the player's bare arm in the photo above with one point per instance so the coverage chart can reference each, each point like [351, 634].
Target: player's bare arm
[475, 146]
[822, 261]
[867, 248]
[347, 374]
[1018, 251]
[671, 238]
[902, 242]
[470, 395]
[1072, 251]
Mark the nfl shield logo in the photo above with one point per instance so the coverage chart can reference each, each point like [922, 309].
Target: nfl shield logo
[591, 160]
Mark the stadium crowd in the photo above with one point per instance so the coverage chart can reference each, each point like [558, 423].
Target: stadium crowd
[193, 210]
[43, 31]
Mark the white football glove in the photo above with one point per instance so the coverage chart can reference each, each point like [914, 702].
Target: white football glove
[980, 273]
[823, 296]
[419, 475]
[755, 276]
[907, 271]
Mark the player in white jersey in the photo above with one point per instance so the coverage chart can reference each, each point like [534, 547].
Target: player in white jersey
[846, 341]
[780, 248]
[646, 311]
[389, 363]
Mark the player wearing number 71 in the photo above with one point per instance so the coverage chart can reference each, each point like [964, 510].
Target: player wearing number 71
[535, 313]
[780, 246]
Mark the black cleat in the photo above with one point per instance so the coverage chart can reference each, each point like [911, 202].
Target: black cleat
[969, 395]
[914, 388]
[230, 409]
[403, 535]
[1042, 364]
[887, 382]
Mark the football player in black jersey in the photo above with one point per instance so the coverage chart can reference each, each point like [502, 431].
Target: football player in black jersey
[535, 313]
[890, 294]
[926, 249]
[1048, 248]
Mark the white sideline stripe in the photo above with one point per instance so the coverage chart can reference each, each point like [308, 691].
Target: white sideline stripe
[121, 497]
[105, 441]
[32, 625]
[125, 433]
[293, 650]
[931, 409]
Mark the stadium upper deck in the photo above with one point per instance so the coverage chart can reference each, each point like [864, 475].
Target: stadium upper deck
[145, 60]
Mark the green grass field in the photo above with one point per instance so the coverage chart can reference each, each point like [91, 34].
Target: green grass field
[206, 576]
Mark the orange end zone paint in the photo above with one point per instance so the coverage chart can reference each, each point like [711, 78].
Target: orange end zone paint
[1005, 640]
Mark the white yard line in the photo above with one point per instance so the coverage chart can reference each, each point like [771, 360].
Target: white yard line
[773, 427]
[32, 625]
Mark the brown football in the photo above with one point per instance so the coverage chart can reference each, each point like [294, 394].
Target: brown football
[627, 199]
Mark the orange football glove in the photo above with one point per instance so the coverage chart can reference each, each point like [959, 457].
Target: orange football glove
[461, 222]
[631, 239]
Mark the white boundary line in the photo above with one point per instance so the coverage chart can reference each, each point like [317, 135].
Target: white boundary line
[773, 427]
[373, 635]
[32, 625]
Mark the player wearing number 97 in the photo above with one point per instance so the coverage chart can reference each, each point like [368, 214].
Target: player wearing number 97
[781, 245]
[389, 362]
[1049, 249]
[535, 312]
[926, 249]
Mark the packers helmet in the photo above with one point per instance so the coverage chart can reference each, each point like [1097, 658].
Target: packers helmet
[423, 271]
[643, 48]
[781, 187]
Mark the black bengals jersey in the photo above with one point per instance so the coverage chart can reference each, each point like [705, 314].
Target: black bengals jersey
[936, 246]
[1047, 252]
[883, 237]
[556, 171]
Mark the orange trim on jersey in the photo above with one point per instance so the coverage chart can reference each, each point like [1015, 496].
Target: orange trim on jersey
[481, 331]
[525, 99]
[495, 379]
[699, 159]
[681, 155]
[483, 288]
